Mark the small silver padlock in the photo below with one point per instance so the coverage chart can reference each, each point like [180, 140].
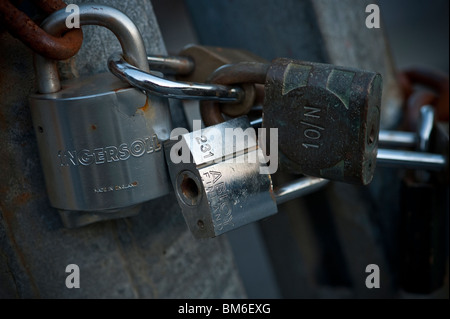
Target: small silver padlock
[218, 181]
[100, 141]
[222, 181]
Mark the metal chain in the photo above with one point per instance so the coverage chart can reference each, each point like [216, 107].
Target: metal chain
[22, 27]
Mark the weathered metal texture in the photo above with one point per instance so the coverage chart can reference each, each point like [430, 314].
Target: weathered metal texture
[328, 118]
[21, 26]
[320, 245]
[246, 74]
[152, 255]
[50, 6]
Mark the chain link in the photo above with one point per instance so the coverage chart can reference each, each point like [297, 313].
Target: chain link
[25, 29]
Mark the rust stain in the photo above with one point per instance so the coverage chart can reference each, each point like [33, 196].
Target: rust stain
[8, 217]
[147, 111]
[7, 210]
[93, 127]
[21, 199]
[146, 106]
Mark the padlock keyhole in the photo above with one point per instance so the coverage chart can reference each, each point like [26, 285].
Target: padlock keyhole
[372, 135]
[190, 190]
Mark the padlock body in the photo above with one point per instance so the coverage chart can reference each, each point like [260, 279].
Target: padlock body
[327, 118]
[220, 186]
[100, 144]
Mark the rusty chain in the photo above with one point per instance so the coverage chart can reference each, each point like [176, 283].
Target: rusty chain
[25, 29]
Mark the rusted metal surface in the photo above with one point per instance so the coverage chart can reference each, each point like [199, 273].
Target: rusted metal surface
[244, 73]
[22, 27]
[50, 6]
[328, 119]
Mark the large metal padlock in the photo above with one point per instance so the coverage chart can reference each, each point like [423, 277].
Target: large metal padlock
[327, 117]
[100, 140]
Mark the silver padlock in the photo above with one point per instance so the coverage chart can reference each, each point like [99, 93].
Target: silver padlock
[100, 141]
[219, 178]
[218, 183]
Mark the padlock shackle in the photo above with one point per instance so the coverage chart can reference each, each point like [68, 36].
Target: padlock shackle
[90, 14]
[153, 84]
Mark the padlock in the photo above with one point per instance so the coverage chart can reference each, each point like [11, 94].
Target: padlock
[327, 118]
[218, 184]
[219, 179]
[100, 140]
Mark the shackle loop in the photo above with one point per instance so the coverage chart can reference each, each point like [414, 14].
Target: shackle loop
[90, 14]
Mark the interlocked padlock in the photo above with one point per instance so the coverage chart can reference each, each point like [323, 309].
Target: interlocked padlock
[100, 140]
[327, 116]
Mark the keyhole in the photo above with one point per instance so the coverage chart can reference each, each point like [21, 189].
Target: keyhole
[189, 190]
[372, 136]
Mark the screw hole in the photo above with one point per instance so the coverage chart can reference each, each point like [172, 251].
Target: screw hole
[200, 224]
[40, 129]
